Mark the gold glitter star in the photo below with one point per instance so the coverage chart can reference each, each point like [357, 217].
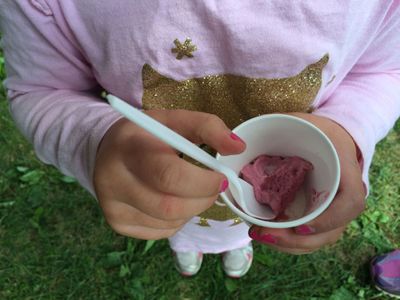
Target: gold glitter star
[185, 49]
[203, 222]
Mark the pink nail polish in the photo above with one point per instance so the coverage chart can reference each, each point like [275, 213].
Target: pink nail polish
[236, 138]
[304, 230]
[224, 186]
[268, 239]
[264, 238]
[254, 235]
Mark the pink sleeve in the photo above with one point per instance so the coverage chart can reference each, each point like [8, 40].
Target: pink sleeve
[49, 84]
[367, 101]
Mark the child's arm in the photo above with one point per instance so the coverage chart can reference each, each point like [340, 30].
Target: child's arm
[363, 108]
[367, 101]
[144, 188]
[48, 83]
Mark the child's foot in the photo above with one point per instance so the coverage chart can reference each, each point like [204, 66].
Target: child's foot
[188, 263]
[237, 262]
[385, 272]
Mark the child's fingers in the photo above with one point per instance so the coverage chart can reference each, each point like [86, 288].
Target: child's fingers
[168, 207]
[201, 128]
[118, 213]
[288, 241]
[348, 204]
[158, 205]
[144, 233]
[167, 173]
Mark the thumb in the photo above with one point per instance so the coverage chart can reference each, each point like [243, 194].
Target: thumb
[201, 128]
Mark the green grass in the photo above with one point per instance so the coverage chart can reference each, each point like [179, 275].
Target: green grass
[55, 244]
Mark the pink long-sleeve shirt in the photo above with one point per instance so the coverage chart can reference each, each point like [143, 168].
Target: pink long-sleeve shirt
[58, 52]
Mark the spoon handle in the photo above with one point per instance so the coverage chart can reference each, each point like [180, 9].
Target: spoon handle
[167, 135]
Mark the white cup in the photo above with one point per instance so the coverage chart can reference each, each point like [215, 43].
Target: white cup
[285, 135]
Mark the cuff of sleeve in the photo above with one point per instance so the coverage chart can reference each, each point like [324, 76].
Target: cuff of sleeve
[96, 136]
[364, 148]
[65, 128]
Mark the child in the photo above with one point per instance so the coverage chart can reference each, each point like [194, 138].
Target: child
[200, 67]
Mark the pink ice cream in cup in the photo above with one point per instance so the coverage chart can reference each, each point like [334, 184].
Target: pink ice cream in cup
[276, 180]
[292, 165]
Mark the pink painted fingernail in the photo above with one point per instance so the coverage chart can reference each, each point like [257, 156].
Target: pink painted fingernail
[304, 230]
[224, 186]
[254, 235]
[236, 138]
[268, 239]
[264, 238]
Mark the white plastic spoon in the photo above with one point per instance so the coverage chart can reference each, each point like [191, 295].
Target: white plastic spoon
[241, 191]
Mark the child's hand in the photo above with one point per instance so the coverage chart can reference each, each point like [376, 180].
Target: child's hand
[145, 190]
[347, 205]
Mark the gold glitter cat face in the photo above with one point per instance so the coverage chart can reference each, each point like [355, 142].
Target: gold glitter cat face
[234, 98]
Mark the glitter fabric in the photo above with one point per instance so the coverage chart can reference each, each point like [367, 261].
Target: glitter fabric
[185, 49]
[234, 99]
[219, 213]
